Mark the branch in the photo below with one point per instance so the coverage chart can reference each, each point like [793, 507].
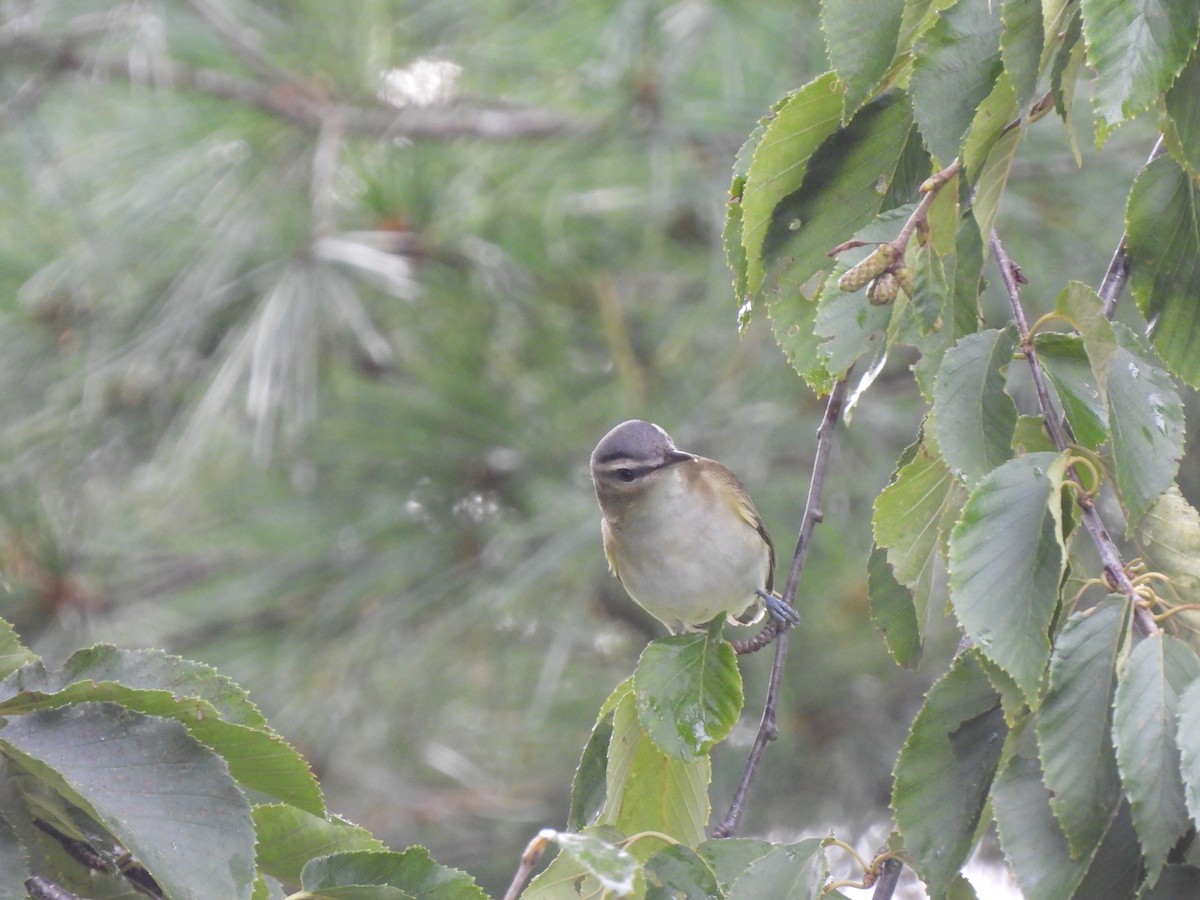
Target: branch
[296, 103]
[889, 876]
[767, 730]
[1118, 269]
[1060, 434]
[240, 41]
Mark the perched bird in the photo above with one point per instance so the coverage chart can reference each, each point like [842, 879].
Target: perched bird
[681, 533]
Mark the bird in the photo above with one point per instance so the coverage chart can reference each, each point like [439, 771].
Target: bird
[681, 533]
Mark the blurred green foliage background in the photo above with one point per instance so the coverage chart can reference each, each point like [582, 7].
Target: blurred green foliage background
[314, 404]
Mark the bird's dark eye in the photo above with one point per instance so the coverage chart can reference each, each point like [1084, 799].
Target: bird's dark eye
[626, 475]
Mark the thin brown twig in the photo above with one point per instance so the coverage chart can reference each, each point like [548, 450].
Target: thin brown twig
[529, 860]
[1060, 434]
[767, 729]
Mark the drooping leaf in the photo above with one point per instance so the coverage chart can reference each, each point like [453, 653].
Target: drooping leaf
[788, 872]
[689, 692]
[1136, 48]
[1188, 738]
[892, 610]
[973, 415]
[1183, 117]
[793, 322]
[931, 289]
[993, 117]
[1064, 73]
[289, 837]
[860, 36]
[160, 794]
[1162, 220]
[1078, 304]
[1021, 46]
[1144, 727]
[1074, 725]
[945, 769]
[844, 187]
[956, 62]
[1006, 564]
[780, 162]
[993, 176]
[1065, 360]
[1033, 842]
[587, 787]
[910, 517]
[647, 790]
[1145, 417]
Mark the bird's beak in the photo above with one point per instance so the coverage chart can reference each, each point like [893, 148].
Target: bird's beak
[677, 456]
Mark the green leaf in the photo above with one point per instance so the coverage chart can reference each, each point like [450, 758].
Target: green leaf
[945, 769]
[587, 787]
[410, 874]
[1064, 76]
[258, 759]
[689, 692]
[1175, 883]
[1136, 47]
[843, 191]
[1145, 416]
[1078, 304]
[860, 36]
[683, 871]
[931, 290]
[993, 176]
[612, 866]
[849, 325]
[1006, 564]
[893, 611]
[289, 837]
[973, 415]
[1162, 220]
[798, 127]
[788, 872]
[1032, 840]
[13, 654]
[730, 857]
[161, 795]
[1168, 538]
[647, 790]
[1183, 117]
[1030, 436]
[1188, 738]
[793, 322]
[955, 65]
[148, 670]
[992, 117]
[1144, 720]
[1065, 361]
[1074, 724]
[1021, 46]
[910, 516]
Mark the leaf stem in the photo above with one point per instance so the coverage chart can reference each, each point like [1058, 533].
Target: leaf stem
[767, 729]
[1060, 434]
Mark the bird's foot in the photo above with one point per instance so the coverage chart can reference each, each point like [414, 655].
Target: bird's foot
[781, 612]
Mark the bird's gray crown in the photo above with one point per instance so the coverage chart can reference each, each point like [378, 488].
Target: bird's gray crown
[633, 440]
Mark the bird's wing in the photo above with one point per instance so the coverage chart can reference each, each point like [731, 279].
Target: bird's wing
[745, 509]
[609, 553]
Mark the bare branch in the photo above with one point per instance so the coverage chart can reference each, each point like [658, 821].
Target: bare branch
[767, 730]
[240, 41]
[889, 876]
[1060, 434]
[298, 104]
